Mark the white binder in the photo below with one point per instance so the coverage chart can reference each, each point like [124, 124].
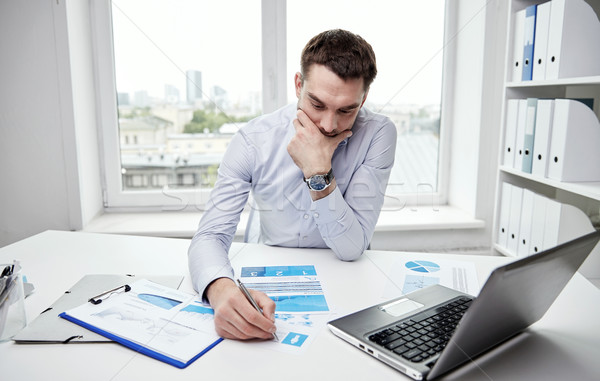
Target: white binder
[564, 222]
[542, 24]
[520, 135]
[575, 143]
[543, 131]
[510, 132]
[538, 222]
[525, 224]
[518, 36]
[514, 223]
[573, 40]
[502, 238]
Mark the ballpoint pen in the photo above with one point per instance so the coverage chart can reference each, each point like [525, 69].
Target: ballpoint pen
[252, 301]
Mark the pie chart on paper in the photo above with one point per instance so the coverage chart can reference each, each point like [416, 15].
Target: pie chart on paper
[422, 266]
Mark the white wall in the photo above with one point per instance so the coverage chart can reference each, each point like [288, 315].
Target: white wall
[43, 179]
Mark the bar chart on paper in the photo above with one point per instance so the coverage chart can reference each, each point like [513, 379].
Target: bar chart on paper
[292, 288]
[301, 308]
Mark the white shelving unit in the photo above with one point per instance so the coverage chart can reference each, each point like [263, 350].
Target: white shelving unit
[583, 195]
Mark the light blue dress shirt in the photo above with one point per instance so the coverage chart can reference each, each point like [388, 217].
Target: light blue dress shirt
[257, 163]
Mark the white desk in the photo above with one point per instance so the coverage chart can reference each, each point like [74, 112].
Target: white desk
[54, 261]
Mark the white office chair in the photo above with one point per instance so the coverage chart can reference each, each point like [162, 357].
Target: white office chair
[252, 232]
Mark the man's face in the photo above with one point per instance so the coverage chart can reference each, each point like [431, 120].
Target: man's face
[329, 101]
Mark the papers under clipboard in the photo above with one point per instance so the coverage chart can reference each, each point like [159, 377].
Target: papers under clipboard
[49, 328]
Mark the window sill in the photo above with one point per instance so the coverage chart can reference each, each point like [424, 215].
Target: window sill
[184, 224]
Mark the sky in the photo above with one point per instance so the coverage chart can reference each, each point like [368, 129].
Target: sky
[156, 41]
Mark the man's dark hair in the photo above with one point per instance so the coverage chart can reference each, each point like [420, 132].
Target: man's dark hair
[346, 54]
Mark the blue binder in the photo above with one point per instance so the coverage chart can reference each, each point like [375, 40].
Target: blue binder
[529, 42]
[144, 300]
[529, 135]
[138, 348]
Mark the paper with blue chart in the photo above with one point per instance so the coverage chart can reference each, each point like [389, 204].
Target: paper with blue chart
[411, 274]
[301, 307]
[161, 322]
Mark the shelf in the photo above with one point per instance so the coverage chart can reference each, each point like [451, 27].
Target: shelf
[587, 189]
[576, 53]
[594, 80]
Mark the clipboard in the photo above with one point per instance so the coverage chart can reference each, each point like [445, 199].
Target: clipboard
[154, 320]
[49, 328]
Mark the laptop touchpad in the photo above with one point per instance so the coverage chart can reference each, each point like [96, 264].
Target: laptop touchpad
[400, 307]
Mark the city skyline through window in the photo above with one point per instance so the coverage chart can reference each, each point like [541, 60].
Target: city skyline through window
[188, 76]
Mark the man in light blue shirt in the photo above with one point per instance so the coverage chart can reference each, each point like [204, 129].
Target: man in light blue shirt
[317, 172]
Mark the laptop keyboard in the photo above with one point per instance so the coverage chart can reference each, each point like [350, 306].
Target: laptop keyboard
[424, 335]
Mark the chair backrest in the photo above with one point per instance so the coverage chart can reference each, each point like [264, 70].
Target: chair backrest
[252, 232]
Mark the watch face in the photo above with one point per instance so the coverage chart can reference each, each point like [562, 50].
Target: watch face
[317, 182]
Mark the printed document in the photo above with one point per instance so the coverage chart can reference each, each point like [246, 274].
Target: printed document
[412, 274]
[164, 323]
[301, 308]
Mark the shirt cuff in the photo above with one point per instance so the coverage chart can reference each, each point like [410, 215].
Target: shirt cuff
[209, 275]
[331, 208]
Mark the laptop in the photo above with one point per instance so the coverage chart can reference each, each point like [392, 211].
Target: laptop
[431, 331]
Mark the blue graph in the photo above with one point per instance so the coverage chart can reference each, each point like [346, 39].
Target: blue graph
[300, 303]
[198, 309]
[159, 301]
[422, 266]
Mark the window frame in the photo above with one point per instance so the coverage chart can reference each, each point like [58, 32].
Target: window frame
[274, 88]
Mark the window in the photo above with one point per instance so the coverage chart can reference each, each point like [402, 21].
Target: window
[187, 74]
[407, 37]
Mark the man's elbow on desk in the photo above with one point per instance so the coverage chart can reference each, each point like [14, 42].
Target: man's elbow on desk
[349, 254]
[347, 258]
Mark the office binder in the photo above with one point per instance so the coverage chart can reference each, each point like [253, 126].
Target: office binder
[529, 134]
[502, 238]
[573, 40]
[49, 328]
[518, 35]
[564, 222]
[510, 132]
[542, 24]
[574, 144]
[160, 322]
[541, 141]
[525, 224]
[520, 135]
[528, 42]
[538, 224]
[514, 223]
